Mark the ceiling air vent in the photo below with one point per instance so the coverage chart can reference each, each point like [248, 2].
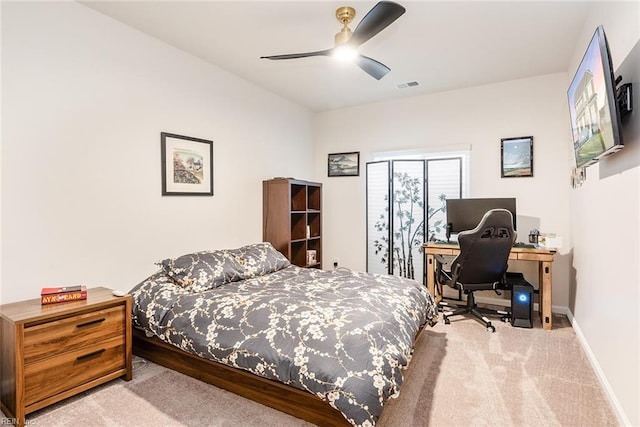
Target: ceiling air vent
[407, 84]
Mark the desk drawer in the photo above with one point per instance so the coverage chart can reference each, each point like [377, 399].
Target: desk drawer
[49, 376]
[63, 335]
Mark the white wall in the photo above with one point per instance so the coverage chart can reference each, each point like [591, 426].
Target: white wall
[84, 101]
[605, 216]
[479, 117]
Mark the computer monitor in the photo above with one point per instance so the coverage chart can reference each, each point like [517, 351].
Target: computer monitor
[465, 214]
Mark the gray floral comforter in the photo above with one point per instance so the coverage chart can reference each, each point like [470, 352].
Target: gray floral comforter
[344, 336]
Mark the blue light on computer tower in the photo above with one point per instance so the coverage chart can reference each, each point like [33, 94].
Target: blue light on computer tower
[522, 304]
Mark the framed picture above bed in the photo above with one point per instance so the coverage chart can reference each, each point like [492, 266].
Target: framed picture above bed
[187, 165]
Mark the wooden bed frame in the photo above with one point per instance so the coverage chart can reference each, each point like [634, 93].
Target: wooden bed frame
[295, 402]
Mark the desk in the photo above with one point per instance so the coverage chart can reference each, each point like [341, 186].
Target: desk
[543, 257]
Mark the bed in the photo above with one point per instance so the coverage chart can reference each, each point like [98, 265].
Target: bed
[328, 347]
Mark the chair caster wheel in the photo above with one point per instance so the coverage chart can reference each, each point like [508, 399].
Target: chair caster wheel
[447, 321]
[491, 328]
[505, 319]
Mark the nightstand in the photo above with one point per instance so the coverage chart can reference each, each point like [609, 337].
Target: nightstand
[51, 352]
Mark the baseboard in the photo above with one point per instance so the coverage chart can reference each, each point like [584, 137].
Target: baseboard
[622, 418]
[560, 310]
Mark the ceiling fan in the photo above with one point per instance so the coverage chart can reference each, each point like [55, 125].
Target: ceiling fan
[378, 18]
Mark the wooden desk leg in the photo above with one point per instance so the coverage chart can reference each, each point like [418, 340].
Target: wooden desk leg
[431, 277]
[544, 275]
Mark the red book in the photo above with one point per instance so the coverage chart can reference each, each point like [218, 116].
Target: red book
[53, 298]
[59, 290]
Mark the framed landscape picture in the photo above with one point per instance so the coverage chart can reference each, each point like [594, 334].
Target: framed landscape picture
[344, 164]
[516, 157]
[187, 165]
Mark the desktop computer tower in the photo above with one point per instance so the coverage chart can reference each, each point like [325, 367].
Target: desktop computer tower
[522, 305]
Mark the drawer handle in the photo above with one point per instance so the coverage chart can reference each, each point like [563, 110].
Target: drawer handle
[90, 355]
[93, 322]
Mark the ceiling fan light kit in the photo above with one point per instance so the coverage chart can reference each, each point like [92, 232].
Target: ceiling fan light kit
[377, 19]
[345, 53]
[345, 15]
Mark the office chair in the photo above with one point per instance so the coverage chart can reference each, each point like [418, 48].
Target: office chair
[481, 264]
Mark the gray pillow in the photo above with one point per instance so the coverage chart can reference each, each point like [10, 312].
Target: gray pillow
[201, 271]
[259, 259]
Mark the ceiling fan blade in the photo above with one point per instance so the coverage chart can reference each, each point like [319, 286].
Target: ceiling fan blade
[325, 52]
[375, 69]
[378, 18]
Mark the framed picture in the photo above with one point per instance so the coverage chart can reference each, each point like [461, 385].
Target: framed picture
[517, 157]
[344, 164]
[187, 165]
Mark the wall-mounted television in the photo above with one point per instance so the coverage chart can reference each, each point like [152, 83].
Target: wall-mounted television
[595, 117]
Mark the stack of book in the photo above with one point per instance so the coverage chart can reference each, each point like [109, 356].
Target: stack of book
[311, 257]
[63, 294]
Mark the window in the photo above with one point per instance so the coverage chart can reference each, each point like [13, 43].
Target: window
[405, 191]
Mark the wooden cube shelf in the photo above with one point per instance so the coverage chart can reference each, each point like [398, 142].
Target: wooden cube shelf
[292, 219]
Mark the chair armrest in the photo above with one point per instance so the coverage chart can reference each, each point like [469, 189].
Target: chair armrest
[442, 276]
[438, 267]
[440, 260]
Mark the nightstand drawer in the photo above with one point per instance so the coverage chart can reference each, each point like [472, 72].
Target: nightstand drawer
[56, 374]
[63, 335]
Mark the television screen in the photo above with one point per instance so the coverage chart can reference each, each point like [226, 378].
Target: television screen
[465, 214]
[595, 120]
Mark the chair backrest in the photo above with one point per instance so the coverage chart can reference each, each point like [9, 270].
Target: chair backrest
[484, 251]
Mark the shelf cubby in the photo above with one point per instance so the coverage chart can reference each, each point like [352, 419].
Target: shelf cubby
[313, 198]
[299, 253]
[298, 225]
[298, 198]
[313, 221]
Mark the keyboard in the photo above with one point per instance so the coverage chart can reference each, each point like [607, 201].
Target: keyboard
[524, 245]
[515, 245]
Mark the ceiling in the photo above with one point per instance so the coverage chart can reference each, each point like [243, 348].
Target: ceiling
[441, 45]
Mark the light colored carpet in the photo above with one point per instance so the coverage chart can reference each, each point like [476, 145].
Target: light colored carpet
[460, 375]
